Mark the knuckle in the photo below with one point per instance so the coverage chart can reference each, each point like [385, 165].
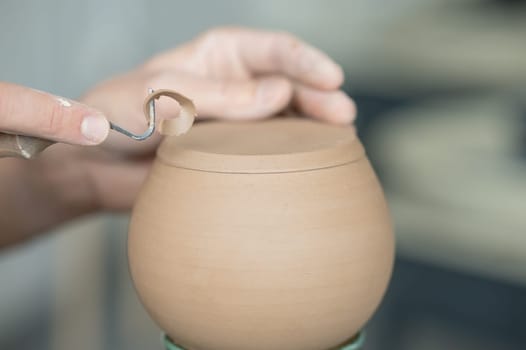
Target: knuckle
[54, 123]
[219, 34]
[7, 107]
[286, 47]
[288, 41]
[211, 34]
[295, 55]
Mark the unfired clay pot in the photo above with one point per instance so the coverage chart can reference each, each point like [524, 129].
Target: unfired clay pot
[270, 235]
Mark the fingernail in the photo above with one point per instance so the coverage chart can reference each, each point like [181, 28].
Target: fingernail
[95, 128]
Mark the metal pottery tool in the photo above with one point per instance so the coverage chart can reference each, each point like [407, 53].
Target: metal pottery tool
[29, 146]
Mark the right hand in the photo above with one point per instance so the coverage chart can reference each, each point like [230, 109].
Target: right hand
[30, 112]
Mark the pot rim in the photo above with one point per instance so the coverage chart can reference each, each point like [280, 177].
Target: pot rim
[279, 145]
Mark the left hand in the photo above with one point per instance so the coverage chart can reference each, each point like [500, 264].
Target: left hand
[229, 73]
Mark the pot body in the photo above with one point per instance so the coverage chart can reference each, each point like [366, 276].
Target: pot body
[286, 261]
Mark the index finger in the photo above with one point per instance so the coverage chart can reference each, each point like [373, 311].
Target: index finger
[30, 112]
[280, 52]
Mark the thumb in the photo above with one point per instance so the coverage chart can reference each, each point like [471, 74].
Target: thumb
[231, 99]
[30, 112]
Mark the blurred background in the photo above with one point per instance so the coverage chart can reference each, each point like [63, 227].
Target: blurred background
[441, 92]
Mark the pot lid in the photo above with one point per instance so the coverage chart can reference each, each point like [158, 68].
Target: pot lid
[282, 144]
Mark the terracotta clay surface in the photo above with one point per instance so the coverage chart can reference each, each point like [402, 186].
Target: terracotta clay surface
[263, 235]
[183, 122]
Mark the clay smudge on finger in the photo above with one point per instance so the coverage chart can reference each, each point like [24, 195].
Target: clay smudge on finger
[63, 102]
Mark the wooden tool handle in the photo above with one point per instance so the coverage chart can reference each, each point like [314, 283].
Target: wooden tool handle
[21, 146]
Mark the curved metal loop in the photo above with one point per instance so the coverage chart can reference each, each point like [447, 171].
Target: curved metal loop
[151, 123]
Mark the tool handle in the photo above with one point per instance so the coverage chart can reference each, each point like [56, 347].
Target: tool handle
[21, 146]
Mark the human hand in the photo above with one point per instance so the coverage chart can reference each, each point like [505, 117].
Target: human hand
[30, 112]
[230, 73]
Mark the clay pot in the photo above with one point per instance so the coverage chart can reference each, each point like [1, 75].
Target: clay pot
[263, 235]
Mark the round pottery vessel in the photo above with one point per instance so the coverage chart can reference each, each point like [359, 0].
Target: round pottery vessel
[261, 235]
